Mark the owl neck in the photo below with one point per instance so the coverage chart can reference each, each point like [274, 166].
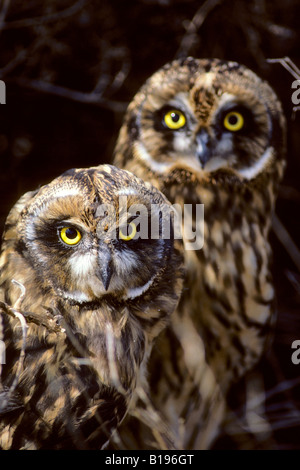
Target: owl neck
[103, 336]
[224, 200]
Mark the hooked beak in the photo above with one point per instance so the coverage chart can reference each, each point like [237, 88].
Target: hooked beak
[204, 150]
[105, 266]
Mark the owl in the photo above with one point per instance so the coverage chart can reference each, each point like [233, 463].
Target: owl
[84, 290]
[210, 132]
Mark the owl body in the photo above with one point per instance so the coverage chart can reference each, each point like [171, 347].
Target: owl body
[90, 298]
[211, 132]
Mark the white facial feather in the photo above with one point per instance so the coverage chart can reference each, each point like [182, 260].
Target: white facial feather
[125, 261]
[182, 142]
[225, 99]
[142, 154]
[254, 170]
[137, 291]
[82, 266]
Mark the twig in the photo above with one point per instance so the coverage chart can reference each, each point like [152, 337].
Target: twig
[295, 109]
[46, 321]
[3, 13]
[150, 417]
[20, 362]
[24, 326]
[105, 82]
[288, 64]
[20, 299]
[286, 240]
[17, 60]
[194, 26]
[2, 348]
[291, 67]
[60, 15]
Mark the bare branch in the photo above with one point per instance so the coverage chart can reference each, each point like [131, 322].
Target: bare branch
[20, 317]
[288, 64]
[74, 95]
[286, 240]
[60, 15]
[295, 109]
[3, 13]
[194, 26]
[20, 299]
[17, 60]
[148, 415]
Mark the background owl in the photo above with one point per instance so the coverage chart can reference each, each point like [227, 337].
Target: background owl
[210, 132]
[82, 296]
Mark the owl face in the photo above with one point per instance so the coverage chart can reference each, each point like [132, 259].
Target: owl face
[203, 116]
[86, 244]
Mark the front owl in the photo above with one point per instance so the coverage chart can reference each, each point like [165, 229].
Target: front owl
[96, 293]
[211, 132]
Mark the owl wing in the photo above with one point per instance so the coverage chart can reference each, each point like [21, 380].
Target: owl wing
[21, 204]
[49, 397]
[9, 237]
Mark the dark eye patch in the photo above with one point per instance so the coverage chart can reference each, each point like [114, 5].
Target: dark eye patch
[48, 233]
[158, 119]
[249, 122]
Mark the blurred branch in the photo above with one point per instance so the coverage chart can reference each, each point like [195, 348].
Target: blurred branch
[286, 240]
[17, 60]
[288, 64]
[291, 67]
[105, 82]
[73, 95]
[194, 25]
[20, 362]
[3, 13]
[289, 193]
[295, 109]
[60, 15]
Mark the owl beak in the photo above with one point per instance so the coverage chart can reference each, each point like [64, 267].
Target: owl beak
[106, 269]
[203, 151]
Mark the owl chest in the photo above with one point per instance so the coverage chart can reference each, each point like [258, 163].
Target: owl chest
[228, 285]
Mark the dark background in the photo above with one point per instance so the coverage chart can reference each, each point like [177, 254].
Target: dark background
[71, 67]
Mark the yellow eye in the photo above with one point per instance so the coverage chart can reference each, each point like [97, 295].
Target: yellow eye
[127, 232]
[174, 119]
[233, 121]
[70, 235]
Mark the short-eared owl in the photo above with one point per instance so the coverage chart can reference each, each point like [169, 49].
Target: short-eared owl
[210, 132]
[83, 296]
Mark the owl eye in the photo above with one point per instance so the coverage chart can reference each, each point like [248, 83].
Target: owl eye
[127, 232]
[70, 235]
[174, 119]
[233, 121]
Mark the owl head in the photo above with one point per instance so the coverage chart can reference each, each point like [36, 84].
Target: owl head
[87, 235]
[207, 118]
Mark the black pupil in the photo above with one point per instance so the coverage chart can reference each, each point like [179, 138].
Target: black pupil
[71, 233]
[175, 117]
[233, 120]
